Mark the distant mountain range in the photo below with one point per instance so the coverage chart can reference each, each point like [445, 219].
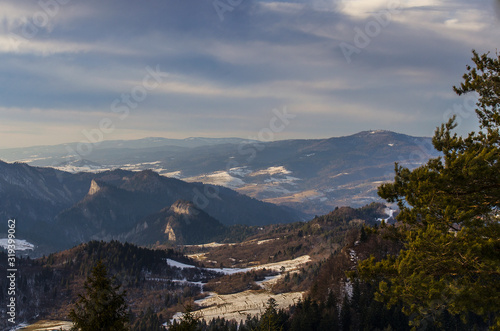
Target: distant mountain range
[313, 176]
[57, 210]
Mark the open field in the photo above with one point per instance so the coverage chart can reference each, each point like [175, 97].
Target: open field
[47, 325]
[240, 305]
[251, 303]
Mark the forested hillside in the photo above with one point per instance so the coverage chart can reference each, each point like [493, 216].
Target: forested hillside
[47, 287]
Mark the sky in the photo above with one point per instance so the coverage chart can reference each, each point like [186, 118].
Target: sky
[74, 70]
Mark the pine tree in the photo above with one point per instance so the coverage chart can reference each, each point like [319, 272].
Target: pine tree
[269, 320]
[102, 307]
[449, 222]
[188, 322]
[363, 236]
[345, 314]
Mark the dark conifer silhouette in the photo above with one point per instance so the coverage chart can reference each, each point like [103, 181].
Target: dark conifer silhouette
[102, 307]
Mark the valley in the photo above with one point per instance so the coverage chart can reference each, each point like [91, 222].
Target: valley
[312, 176]
[230, 165]
[59, 210]
[224, 249]
[224, 278]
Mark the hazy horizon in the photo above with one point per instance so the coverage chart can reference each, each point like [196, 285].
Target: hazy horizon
[187, 138]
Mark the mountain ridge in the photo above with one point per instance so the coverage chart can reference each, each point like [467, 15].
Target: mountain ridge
[110, 204]
[181, 223]
[316, 175]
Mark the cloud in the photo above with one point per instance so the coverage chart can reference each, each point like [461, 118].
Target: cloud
[225, 75]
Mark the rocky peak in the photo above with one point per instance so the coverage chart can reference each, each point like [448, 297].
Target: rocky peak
[169, 231]
[183, 207]
[94, 187]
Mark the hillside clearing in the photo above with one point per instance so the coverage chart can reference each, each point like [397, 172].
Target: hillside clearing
[240, 305]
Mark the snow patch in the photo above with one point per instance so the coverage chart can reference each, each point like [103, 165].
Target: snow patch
[210, 245]
[229, 271]
[179, 265]
[20, 244]
[240, 171]
[222, 178]
[88, 168]
[353, 256]
[389, 212]
[272, 171]
[276, 266]
[150, 163]
[186, 282]
[33, 158]
[286, 180]
[260, 242]
[138, 166]
[173, 174]
[226, 271]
